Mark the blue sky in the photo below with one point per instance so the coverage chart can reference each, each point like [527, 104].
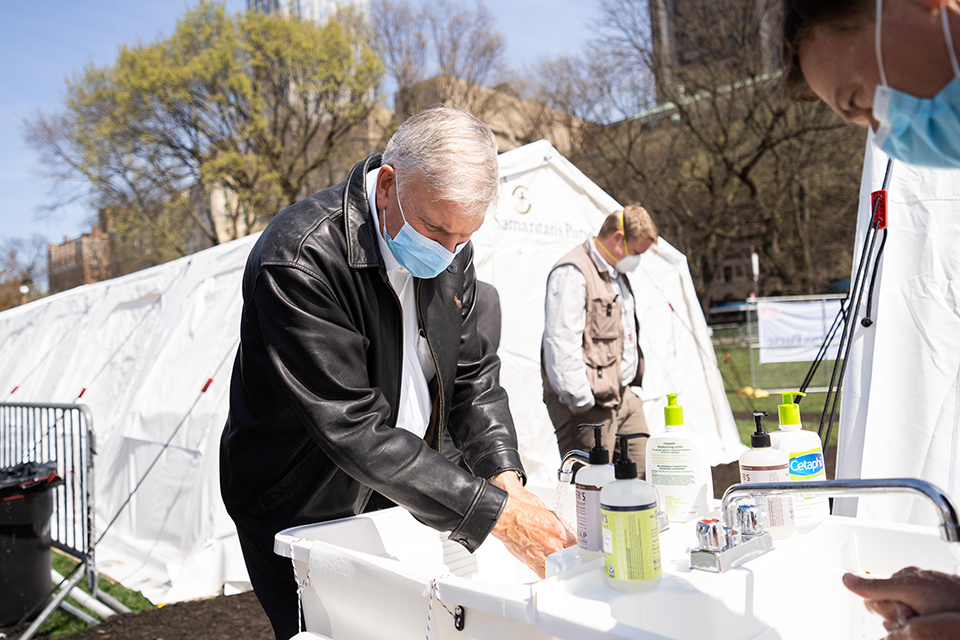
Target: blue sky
[42, 43]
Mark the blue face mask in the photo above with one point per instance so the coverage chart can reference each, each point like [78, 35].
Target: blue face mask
[920, 131]
[421, 256]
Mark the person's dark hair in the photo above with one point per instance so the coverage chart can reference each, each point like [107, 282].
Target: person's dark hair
[799, 18]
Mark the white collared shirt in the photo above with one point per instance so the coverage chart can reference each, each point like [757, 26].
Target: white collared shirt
[565, 313]
[418, 369]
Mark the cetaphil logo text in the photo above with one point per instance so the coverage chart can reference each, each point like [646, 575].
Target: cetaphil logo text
[806, 465]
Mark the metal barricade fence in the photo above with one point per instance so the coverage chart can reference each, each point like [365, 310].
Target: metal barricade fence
[63, 433]
[35, 432]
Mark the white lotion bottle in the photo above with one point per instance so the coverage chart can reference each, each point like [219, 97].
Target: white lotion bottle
[590, 479]
[804, 462]
[631, 534]
[763, 463]
[677, 468]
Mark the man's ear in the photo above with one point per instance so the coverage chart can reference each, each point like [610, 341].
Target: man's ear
[385, 180]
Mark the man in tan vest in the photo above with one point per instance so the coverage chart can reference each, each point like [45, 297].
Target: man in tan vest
[590, 354]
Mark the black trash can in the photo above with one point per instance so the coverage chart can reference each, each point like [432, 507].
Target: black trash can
[26, 504]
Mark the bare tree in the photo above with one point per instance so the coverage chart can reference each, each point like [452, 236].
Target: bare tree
[457, 46]
[23, 263]
[687, 119]
[400, 37]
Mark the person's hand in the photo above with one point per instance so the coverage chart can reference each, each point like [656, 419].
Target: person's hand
[531, 533]
[913, 603]
[935, 626]
[510, 482]
[527, 528]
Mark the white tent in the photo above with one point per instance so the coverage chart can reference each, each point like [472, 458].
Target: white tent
[900, 414]
[547, 207]
[140, 349]
[151, 355]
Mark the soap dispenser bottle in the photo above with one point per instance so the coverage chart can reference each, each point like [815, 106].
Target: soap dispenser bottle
[789, 413]
[804, 459]
[677, 468]
[631, 534]
[589, 480]
[763, 463]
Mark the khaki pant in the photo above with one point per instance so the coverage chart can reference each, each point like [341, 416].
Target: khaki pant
[628, 418]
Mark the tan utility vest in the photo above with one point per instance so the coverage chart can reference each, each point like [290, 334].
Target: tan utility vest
[603, 333]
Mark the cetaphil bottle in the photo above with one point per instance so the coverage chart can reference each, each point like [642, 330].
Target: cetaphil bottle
[631, 533]
[589, 480]
[804, 462]
[677, 468]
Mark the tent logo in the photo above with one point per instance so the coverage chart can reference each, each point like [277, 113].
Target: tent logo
[522, 203]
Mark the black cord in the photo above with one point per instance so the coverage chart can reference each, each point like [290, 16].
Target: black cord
[838, 321]
[867, 319]
[846, 340]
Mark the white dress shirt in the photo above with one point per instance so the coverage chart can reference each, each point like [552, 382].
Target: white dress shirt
[565, 313]
[418, 368]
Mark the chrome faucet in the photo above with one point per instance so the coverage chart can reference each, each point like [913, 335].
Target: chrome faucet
[736, 538]
[949, 523]
[570, 458]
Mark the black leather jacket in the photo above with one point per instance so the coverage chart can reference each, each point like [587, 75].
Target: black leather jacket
[316, 383]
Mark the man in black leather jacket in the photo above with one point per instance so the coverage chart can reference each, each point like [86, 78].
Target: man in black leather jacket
[327, 417]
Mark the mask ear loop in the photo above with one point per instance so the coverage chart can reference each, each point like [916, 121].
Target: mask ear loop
[624, 227]
[949, 38]
[883, 75]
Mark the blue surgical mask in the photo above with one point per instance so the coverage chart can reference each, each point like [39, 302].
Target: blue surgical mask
[920, 131]
[421, 256]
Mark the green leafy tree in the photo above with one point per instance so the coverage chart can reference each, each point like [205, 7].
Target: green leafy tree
[252, 107]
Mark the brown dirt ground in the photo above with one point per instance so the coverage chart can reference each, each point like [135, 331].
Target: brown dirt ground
[241, 617]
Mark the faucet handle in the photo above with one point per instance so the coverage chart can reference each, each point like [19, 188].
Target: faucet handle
[711, 535]
[749, 521]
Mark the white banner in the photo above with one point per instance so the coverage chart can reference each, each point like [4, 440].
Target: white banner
[795, 331]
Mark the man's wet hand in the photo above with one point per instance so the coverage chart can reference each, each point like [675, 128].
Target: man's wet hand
[531, 532]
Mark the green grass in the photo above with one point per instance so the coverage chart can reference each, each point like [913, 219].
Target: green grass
[62, 623]
[736, 375]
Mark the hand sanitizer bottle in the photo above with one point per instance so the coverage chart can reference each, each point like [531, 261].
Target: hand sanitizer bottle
[631, 534]
[589, 481]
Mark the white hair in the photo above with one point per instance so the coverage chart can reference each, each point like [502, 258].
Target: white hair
[454, 151]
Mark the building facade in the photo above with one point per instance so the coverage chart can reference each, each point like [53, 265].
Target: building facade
[84, 260]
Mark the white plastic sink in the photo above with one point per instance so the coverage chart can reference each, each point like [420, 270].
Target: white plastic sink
[371, 576]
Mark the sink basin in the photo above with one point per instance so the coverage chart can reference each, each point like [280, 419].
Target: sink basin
[374, 576]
